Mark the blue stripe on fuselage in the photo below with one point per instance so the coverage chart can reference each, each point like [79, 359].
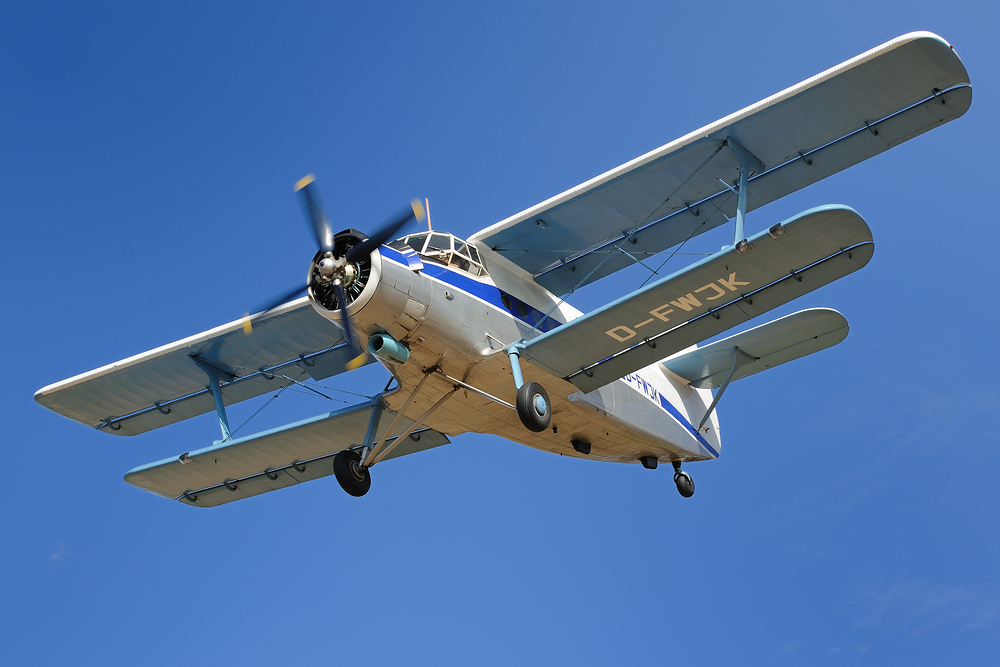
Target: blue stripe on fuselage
[491, 295]
[486, 292]
[653, 393]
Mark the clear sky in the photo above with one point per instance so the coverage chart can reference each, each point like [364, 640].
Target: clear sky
[148, 157]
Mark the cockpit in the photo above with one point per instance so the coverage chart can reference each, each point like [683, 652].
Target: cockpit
[448, 250]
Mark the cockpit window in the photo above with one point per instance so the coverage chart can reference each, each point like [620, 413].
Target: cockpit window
[415, 242]
[447, 250]
[439, 242]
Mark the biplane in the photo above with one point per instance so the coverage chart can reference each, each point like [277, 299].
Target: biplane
[477, 335]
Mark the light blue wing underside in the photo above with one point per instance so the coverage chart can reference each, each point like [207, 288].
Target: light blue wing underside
[164, 385]
[705, 299]
[803, 134]
[769, 345]
[270, 460]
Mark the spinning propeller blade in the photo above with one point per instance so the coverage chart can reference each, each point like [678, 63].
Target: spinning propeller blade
[331, 267]
[387, 231]
[270, 305]
[316, 213]
[359, 355]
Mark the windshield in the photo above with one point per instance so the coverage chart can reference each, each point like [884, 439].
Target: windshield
[448, 250]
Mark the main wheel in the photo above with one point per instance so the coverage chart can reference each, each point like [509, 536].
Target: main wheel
[685, 485]
[352, 477]
[533, 407]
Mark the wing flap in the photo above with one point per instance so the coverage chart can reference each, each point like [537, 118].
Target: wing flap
[269, 460]
[772, 344]
[814, 129]
[705, 299]
[165, 385]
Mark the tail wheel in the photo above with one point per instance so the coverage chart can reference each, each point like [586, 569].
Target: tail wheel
[685, 485]
[533, 407]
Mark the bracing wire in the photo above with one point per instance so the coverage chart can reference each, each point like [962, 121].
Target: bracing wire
[258, 411]
[626, 237]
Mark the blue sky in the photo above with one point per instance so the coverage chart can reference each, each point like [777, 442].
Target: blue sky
[148, 162]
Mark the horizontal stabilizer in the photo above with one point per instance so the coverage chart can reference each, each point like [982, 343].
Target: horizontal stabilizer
[769, 345]
[269, 460]
[706, 298]
[166, 385]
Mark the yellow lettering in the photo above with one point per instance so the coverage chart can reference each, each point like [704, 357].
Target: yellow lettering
[643, 323]
[731, 283]
[661, 312]
[686, 302]
[719, 292]
[628, 333]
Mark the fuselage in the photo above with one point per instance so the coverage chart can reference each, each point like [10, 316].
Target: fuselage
[459, 323]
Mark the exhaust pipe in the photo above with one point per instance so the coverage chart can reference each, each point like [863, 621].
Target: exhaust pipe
[388, 349]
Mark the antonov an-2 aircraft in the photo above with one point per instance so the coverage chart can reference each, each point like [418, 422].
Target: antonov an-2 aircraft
[478, 338]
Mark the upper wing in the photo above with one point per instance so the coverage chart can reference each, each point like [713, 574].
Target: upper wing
[803, 134]
[165, 385]
[705, 299]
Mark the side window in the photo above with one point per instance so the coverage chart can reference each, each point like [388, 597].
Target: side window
[416, 242]
[474, 254]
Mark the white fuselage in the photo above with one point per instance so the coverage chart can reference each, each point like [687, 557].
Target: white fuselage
[460, 324]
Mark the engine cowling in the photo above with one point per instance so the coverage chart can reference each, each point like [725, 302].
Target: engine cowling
[359, 279]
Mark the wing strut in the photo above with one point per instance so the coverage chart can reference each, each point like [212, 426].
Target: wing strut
[748, 163]
[371, 448]
[740, 359]
[215, 376]
[414, 426]
[371, 454]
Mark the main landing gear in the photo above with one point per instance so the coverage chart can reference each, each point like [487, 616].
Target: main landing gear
[352, 466]
[533, 406]
[353, 477]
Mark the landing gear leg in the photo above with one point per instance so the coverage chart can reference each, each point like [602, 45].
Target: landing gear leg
[533, 406]
[353, 477]
[685, 485]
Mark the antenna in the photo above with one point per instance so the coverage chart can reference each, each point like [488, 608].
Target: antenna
[427, 210]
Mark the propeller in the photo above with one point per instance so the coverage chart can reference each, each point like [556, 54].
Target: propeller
[271, 304]
[337, 271]
[316, 213]
[387, 231]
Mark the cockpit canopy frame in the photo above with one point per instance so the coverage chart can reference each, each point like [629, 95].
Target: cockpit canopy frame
[447, 249]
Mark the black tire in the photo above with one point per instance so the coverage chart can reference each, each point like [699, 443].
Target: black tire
[685, 485]
[532, 419]
[352, 477]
